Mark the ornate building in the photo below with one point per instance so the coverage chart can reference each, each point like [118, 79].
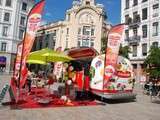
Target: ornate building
[84, 25]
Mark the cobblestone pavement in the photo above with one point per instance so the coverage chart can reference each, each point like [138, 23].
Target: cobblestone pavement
[141, 109]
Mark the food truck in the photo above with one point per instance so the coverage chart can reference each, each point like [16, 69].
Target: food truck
[120, 85]
[90, 75]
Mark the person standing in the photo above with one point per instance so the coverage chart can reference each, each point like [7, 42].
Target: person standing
[29, 81]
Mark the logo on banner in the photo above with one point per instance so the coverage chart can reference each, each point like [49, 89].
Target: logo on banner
[33, 23]
[109, 71]
[114, 40]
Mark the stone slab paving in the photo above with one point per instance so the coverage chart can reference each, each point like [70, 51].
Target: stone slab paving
[141, 109]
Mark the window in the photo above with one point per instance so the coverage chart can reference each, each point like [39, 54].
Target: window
[92, 43]
[85, 42]
[156, 6]
[55, 33]
[144, 31]
[144, 0]
[135, 31]
[67, 31]
[5, 31]
[144, 49]
[22, 21]
[127, 34]
[144, 14]
[21, 33]
[127, 4]
[155, 44]
[126, 18]
[135, 16]
[134, 50]
[68, 17]
[155, 29]
[135, 2]
[24, 6]
[79, 43]
[86, 30]
[6, 17]
[87, 3]
[3, 46]
[92, 32]
[8, 3]
[79, 31]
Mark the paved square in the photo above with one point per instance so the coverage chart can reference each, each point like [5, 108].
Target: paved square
[142, 109]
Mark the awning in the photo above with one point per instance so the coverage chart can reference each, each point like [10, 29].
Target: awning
[82, 53]
[3, 60]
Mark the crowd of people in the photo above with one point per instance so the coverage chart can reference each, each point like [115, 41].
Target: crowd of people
[39, 80]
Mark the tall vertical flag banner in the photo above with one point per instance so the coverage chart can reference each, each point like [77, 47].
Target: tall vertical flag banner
[112, 50]
[34, 19]
[58, 66]
[24, 48]
[18, 61]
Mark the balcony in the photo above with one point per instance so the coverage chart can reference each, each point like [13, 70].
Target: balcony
[135, 22]
[134, 40]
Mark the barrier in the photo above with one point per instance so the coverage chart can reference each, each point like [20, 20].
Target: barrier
[3, 92]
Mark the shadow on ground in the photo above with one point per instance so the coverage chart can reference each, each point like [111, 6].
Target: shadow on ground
[112, 101]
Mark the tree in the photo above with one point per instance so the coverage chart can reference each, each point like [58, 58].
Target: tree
[124, 51]
[103, 44]
[152, 62]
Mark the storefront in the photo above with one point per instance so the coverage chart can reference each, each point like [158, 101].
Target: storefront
[3, 60]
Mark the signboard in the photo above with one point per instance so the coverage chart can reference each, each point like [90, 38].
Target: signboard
[121, 80]
[114, 40]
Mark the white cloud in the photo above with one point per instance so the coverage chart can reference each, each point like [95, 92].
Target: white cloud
[43, 22]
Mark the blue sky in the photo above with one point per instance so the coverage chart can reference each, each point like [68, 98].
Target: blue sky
[55, 10]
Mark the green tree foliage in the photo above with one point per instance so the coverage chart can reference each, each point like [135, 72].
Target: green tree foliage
[124, 51]
[103, 44]
[152, 62]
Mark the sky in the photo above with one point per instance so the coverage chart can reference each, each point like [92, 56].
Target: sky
[55, 10]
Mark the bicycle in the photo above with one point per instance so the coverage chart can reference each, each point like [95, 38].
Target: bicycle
[154, 92]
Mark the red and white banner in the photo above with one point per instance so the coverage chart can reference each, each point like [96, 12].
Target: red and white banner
[18, 61]
[114, 40]
[33, 23]
[24, 48]
[58, 66]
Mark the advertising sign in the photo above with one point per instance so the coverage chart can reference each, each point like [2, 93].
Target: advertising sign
[34, 19]
[114, 40]
[121, 80]
[24, 48]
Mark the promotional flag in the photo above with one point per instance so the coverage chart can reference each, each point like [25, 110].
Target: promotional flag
[23, 49]
[114, 40]
[34, 19]
[58, 66]
[18, 61]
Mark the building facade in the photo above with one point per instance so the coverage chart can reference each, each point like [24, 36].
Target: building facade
[143, 29]
[84, 25]
[13, 17]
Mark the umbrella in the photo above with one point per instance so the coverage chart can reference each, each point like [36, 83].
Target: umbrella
[47, 55]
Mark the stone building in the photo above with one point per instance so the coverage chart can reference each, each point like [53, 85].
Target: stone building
[84, 25]
[143, 30]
